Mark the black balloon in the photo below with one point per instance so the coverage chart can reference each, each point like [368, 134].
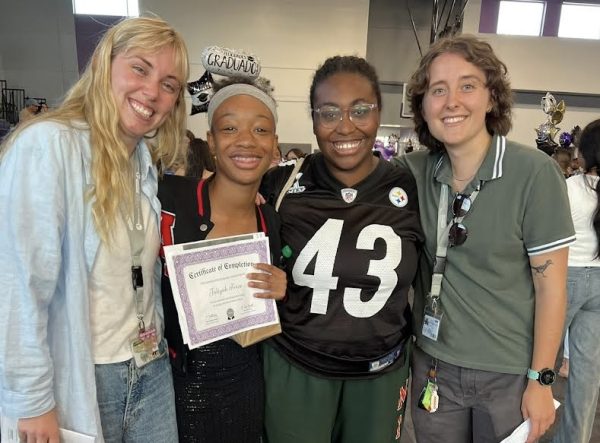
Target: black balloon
[201, 92]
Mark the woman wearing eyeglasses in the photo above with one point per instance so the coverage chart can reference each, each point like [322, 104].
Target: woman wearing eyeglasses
[350, 230]
[490, 295]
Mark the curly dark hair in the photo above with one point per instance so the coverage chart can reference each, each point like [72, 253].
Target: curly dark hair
[480, 54]
[345, 64]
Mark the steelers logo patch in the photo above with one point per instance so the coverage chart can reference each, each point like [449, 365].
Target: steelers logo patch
[349, 194]
[398, 197]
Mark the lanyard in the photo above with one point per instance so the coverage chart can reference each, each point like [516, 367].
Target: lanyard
[443, 229]
[135, 232]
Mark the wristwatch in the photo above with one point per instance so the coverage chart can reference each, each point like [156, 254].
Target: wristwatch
[545, 377]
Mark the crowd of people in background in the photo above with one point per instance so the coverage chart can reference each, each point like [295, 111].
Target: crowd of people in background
[31, 108]
[477, 225]
[581, 356]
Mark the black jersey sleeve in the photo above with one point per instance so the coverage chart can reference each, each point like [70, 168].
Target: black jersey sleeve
[273, 233]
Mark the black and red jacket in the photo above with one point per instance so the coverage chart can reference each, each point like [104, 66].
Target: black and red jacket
[185, 217]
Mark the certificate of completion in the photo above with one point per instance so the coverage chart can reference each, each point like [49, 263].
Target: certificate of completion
[210, 287]
[9, 433]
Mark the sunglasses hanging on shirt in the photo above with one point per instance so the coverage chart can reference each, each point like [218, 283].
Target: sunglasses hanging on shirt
[448, 235]
[458, 232]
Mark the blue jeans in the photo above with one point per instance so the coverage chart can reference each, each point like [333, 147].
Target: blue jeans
[137, 405]
[583, 322]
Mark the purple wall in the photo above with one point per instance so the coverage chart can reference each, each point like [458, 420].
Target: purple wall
[488, 20]
[88, 31]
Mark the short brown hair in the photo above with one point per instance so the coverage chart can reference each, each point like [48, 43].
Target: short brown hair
[480, 54]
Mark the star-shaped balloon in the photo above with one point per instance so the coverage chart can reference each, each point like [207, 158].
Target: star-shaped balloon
[558, 113]
[201, 91]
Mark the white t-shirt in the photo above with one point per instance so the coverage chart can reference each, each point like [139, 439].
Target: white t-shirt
[112, 299]
[583, 201]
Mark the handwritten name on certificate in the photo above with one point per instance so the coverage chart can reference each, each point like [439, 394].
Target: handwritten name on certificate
[210, 287]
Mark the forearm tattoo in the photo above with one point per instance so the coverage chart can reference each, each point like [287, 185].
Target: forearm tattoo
[542, 268]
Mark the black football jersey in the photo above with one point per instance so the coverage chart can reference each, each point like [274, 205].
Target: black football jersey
[350, 256]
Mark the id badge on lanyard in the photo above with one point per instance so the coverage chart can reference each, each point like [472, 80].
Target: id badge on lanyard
[144, 346]
[432, 317]
[433, 313]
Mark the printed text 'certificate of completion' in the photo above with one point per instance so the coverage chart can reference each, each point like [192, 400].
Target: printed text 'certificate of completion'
[210, 287]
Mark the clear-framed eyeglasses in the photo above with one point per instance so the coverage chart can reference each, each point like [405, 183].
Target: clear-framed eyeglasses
[330, 116]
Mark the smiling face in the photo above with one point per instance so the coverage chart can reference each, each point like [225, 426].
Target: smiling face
[145, 87]
[456, 102]
[346, 146]
[242, 138]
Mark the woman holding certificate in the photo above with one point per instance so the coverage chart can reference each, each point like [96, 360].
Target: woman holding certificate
[219, 386]
[81, 348]
[350, 236]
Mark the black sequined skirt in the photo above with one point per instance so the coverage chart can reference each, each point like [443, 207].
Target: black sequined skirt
[220, 397]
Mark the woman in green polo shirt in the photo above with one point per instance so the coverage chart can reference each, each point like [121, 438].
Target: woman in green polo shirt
[490, 297]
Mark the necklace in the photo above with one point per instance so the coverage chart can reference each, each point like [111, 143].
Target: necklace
[462, 179]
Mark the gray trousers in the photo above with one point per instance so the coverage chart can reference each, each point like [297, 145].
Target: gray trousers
[475, 406]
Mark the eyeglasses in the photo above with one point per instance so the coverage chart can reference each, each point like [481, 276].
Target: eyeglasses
[330, 116]
[458, 232]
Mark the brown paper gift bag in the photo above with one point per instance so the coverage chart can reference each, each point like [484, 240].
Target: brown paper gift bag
[252, 336]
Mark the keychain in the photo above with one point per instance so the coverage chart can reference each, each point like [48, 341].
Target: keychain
[429, 398]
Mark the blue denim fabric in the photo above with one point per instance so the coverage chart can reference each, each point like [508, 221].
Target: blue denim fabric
[583, 322]
[137, 405]
[48, 244]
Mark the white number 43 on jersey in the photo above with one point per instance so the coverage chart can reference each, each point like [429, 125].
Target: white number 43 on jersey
[323, 247]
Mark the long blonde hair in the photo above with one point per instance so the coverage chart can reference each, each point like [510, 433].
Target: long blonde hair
[91, 100]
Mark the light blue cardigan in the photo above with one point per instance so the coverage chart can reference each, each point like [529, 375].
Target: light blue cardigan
[48, 244]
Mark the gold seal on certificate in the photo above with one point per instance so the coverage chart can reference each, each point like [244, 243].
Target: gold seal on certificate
[211, 290]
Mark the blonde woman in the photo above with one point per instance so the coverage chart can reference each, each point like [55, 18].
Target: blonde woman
[81, 348]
